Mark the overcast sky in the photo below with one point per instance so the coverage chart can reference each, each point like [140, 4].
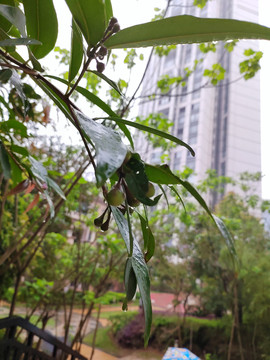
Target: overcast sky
[131, 12]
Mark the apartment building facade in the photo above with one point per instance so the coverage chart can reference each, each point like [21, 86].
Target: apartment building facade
[222, 122]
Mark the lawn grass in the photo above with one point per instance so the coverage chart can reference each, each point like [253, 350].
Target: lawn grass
[104, 341]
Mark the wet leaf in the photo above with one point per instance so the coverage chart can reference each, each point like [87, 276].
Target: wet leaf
[41, 23]
[76, 51]
[186, 29]
[4, 160]
[140, 269]
[110, 151]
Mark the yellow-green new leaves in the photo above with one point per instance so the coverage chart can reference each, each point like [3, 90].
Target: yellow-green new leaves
[92, 17]
[185, 29]
[41, 24]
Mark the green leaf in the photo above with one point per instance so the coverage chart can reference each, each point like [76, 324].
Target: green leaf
[34, 61]
[163, 175]
[148, 239]
[4, 36]
[226, 235]
[15, 16]
[90, 15]
[178, 195]
[76, 51]
[97, 101]
[152, 131]
[41, 173]
[20, 41]
[16, 82]
[4, 160]
[165, 195]
[19, 150]
[16, 172]
[55, 98]
[110, 151]
[108, 81]
[186, 29]
[5, 74]
[5, 24]
[140, 269]
[130, 280]
[108, 10]
[41, 23]
[137, 181]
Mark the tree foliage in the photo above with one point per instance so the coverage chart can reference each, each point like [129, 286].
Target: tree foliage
[94, 32]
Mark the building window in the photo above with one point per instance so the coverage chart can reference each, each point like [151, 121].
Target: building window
[226, 98]
[223, 168]
[177, 160]
[194, 122]
[190, 162]
[165, 112]
[165, 99]
[204, 11]
[197, 81]
[180, 122]
[155, 157]
[176, 10]
[184, 92]
[188, 52]
[224, 137]
[170, 59]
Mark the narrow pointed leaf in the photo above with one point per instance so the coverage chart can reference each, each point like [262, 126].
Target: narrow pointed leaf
[15, 16]
[34, 61]
[76, 52]
[186, 29]
[5, 74]
[19, 150]
[178, 195]
[16, 82]
[4, 161]
[108, 10]
[90, 15]
[50, 203]
[55, 187]
[108, 81]
[163, 175]
[160, 174]
[110, 151]
[140, 269]
[20, 41]
[4, 36]
[101, 104]
[41, 173]
[153, 131]
[33, 203]
[5, 24]
[130, 280]
[55, 98]
[41, 23]
[148, 237]
[165, 195]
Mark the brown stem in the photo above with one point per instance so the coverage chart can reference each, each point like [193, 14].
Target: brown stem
[16, 288]
[95, 333]
[4, 198]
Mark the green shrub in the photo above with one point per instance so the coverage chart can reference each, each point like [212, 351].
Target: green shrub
[119, 321]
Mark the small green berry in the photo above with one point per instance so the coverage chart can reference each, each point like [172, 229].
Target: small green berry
[115, 197]
[151, 190]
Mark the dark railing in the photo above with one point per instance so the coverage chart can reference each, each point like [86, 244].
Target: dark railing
[12, 349]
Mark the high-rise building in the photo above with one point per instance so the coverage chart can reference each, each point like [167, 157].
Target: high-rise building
[222, 122]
